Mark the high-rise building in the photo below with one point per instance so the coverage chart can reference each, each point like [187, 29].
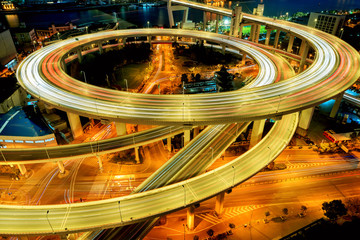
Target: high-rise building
[327, 22]
[8, 50]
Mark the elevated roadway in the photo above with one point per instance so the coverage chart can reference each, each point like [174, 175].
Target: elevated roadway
[334, 69]
[305, 90]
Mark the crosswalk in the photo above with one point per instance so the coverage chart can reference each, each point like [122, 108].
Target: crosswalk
[227, 214]
[304, 165]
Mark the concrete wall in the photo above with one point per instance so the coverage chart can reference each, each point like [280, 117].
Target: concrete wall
[7, 47]
[16, 99]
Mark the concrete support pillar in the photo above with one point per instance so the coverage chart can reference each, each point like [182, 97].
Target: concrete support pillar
[22, 169]
[196, 132]
[101, 50]
[256, 33]
[252, 32]
[302, 46]
[75, 124]
[120, 128]
[303, 57]
[243, 59]
[137, 158]
[63, 65]
[219, 203]
[291, 43]
[63, 237]
[73, 236]
[223, 47]
[235, 21]
[240, 31]
[79, 55]
[99, 160]
[185, 17]
[277, 35]
[305, 120]
[149, 40]
[217, 23]
[257, 132]
[267, 39]
[170, 14]
[191, 217]
[61, 166]
[336, 106]
[168, 144]
[204, 20]
[186, 137]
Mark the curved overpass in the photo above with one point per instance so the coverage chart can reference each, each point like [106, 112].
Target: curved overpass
[330, 74]
[307, 89]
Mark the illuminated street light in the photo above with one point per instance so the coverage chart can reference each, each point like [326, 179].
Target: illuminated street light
[84, 76]
[233, 176]
[184, 195]
[47, 217]
[126, 83]
[120, 211]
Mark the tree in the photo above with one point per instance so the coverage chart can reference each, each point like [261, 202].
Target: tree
[197, 77]
[334, 209]
[184, 78]
[225, 79]
[353, 206]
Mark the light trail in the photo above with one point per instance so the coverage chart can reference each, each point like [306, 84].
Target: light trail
[334, 69]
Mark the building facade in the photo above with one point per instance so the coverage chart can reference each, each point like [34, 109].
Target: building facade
[327, 22]
[7, 46]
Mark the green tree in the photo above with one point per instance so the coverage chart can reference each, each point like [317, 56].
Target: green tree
[334, 209]
[184, 78]
[225, 79]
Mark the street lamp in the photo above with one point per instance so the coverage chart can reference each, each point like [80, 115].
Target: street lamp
[148, 24]
[84, 76]
[86, 29]
[120, 211]
[184, 195]
[233, 176]
[126, 83]
[184, 230]
[47, 217]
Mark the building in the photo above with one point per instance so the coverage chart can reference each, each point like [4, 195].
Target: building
[327, 22]
[7, 5]
[43, 34]
[41, 2]
[8, 50]
[25, 38]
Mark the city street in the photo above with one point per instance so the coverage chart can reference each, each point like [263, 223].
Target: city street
[309, 180]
